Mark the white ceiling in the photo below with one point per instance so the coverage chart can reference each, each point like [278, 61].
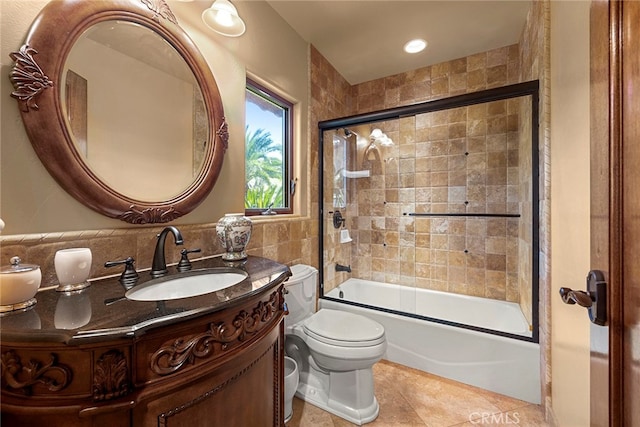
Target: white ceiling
[363, 39]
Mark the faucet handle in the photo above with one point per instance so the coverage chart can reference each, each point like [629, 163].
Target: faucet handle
[129, 276]
[185, 264]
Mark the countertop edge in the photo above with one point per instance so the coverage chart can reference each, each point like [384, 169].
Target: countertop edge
[278, 273]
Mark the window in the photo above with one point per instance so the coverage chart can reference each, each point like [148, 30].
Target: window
[268, 151]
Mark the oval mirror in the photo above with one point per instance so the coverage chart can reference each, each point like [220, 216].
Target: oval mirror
[121, 108]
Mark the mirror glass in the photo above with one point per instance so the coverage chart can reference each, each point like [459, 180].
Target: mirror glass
[134, 110]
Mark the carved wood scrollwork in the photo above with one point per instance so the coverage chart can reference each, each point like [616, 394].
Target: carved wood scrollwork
[173, 356]
[223, 133]
[111, 376]
[160, 8]
[53, 376]
[150, 215]
[28, 78]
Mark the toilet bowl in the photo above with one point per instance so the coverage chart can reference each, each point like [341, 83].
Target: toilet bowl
[290, 386]
[334, 351]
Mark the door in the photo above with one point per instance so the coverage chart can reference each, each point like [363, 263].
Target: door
[615, 209]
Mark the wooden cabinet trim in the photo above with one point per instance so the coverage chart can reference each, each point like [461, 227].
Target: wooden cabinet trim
[176, 353]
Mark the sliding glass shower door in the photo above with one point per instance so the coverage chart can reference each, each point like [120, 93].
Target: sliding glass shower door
[440, 196]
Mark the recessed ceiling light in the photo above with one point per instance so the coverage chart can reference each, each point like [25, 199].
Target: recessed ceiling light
[415, 46]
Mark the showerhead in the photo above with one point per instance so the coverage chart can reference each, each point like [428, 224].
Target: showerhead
[377, 136]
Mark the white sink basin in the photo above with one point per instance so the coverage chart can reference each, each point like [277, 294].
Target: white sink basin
[185, 286]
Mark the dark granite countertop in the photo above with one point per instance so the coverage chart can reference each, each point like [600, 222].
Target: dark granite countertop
[80, 317]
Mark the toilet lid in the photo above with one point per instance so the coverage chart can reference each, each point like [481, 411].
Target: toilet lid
[343, 328]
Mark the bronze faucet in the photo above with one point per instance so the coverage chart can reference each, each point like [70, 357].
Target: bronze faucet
[159, 265]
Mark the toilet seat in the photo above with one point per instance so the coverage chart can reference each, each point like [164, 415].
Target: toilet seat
[343, 329]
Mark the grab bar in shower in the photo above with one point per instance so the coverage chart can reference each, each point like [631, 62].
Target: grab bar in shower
[485, 215]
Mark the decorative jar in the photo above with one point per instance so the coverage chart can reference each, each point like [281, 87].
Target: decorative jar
[234, 232]
[18, 285]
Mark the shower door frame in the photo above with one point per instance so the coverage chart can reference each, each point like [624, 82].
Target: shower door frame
[530, 88]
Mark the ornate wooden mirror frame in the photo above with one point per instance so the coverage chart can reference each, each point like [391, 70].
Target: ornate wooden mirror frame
[37, 77]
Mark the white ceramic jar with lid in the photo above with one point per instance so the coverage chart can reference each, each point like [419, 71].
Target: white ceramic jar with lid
[18, 285]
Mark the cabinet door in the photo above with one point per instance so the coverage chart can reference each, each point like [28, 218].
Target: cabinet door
[244, 392]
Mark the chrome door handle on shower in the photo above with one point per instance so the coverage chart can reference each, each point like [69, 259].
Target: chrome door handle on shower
[594, 299]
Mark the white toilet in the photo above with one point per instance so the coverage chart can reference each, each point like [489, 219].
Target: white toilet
[334, 351]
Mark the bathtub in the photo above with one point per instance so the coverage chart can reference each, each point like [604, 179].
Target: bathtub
[502, 364]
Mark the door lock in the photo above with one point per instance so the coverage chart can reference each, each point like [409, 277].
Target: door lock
[594, 299]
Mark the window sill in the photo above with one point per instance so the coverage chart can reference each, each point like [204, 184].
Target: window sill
[275, 218]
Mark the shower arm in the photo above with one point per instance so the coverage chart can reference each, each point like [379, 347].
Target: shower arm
[372, 148]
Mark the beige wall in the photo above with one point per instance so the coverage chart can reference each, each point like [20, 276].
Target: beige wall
[569, 208]
[32, 202]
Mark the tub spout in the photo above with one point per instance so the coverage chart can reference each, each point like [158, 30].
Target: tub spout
[340, 267]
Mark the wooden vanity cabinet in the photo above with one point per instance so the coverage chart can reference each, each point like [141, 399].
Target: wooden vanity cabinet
[244, 391]
[220, 369]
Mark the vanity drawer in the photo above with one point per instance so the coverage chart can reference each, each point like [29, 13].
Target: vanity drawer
[198, 347]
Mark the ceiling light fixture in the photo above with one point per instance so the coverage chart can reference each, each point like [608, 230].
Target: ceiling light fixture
[415, 46]
[222, 17]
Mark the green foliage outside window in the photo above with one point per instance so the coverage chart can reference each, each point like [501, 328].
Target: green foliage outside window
[263, 171]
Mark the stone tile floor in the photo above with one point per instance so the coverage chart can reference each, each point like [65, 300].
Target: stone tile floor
[412, 398]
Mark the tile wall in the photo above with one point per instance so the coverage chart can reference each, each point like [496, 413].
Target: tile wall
[464, 160]
[535, 60]
[288, 241]
[458, 161]
[428, 169]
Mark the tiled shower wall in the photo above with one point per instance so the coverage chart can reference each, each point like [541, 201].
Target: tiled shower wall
[464, 160]
[427, 169]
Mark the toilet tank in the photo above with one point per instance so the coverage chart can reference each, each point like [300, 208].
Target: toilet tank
[301, 296]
